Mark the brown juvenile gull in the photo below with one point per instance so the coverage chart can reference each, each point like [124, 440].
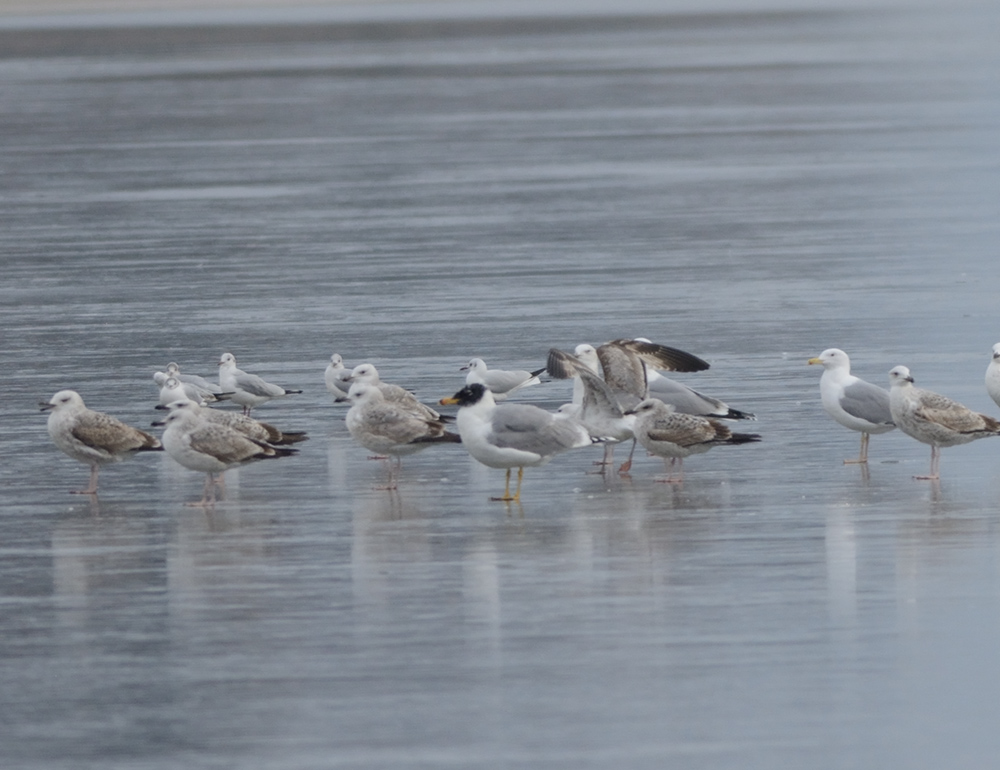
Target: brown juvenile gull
[501, 382]
[211, 448]
[248, 390]
[851, 401]
[934, 419]
[673, 436]
[248, 426]
[92, 437]
[386, 428]
[512, 435]
[395, 394]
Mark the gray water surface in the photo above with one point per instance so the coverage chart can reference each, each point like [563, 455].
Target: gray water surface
[752, 187]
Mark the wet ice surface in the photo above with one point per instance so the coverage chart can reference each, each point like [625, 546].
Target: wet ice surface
[752, 188]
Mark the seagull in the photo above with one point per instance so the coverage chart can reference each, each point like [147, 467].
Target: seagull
[934, 419]
[386, 428]
[851, 401]
[668, 434]
[201, 445]
[92, 437]
[248, 390]
[689, 401]
[396, 394]
[599, 409]
[993, 375]
[632, 367]
[248, 426]
[501, 382]
[512, 435]
[337, 377]
[197, 388]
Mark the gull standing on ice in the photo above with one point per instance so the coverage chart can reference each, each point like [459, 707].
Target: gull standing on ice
[670, 435]
[211, 448]
[248, 390]
[851, 401]
[993, 375]
[501, 382]
[512, 435]
[934, 419]
[337, 378]
[386, 428]
[92, 437]
[248, 426]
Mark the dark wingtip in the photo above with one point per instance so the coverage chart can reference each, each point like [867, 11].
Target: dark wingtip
[664, 357]
[560, 364]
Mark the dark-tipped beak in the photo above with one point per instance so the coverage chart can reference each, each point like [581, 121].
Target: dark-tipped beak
[45, 406]
[158, 423]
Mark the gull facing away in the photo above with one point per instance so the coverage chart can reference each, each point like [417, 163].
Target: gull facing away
[851, 401]
[386, 428]
[92, 437]
[337, 378]
[673, 436]
[395, 394]
[248, 426]
[934, 419]
[200, 445]
[512, 435]
[993, 375]
[248, 390]
[501, 382]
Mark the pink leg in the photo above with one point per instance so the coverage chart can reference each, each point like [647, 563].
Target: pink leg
[863, 457]
[935, 466]
[627, 465]
[92, 486]
[669, 465]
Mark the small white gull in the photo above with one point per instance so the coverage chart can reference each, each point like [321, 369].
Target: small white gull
[993, 375]
[248, 390]
[337, 378]
[501, 382]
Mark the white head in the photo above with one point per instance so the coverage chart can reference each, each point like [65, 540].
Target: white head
[64, 401]
[832, 358]
[173, 369]
[899, 376]
[337, 361]
[363, 393]
[996, 352]
[474, 365]
[365, 373]
[228, 359]
[174, 390]
[652, 406]
[587, 355]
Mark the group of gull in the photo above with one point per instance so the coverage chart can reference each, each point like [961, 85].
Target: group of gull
[922, 414]
[619, 395]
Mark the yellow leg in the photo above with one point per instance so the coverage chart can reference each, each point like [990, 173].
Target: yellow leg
[506, 490]
[520, 476]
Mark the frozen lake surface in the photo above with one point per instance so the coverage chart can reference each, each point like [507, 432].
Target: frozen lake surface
[752, 187]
